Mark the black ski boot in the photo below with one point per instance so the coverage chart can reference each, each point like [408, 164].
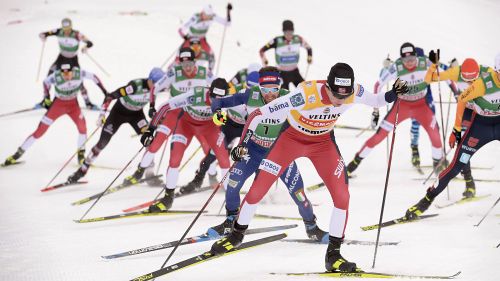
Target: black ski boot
[334, 260]
[80, 156]
[231, 241]
[418, 209]
[194, 184]
[470, 186]
[225, 227]
[314, 232]
[149, 174]
[165, 203]
[80, 173]
[12, 159]
[353, 165]
[133, 179]
[415, 156]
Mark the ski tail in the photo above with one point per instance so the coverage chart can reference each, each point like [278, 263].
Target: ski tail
[64, 184]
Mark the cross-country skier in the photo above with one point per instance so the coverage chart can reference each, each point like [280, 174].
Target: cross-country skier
[240, 80]
[287, 53]
[233, 126]
[412, 69]
[194, 120]
[310, 111]
[266, 132]
[67, 83]
[69, 42]
[199, 23]
[179, 79]
[481, 100]
[132, 98]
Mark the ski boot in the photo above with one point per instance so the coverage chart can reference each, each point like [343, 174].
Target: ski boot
[439, 165]
[212, 180]
[80, 173]
[224, 228]
[133, 179]
[314, 232]
[80, 156]
[165, 203]
[353, 165]
[231, 241]
[415, 156]
[194, 184]
[12, 159]
[334, 260]
[151, 180]
[418, 209]
[470, 186]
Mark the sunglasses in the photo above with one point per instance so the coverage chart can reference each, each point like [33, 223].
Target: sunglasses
[266, 91]
[340, 96]
[187, 63]
[408, 59]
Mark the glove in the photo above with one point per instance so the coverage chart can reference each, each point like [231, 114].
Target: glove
[46, 103]
[309, 59]
[42, 36]
[186, 37]
[91, 106]
[387, 62]
[101, 119]
[399, 87]
[455, 137]
[238, 152]
[434, 57]
[264, 62]
[454, 63]
[152, 111]
[84, 50]
[220, 118]
[375, 117]
[229, 7]
[147, 137]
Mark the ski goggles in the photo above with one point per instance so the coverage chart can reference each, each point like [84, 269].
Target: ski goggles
[266, 91]
[187, 63]
[340, 96]
[408, 59]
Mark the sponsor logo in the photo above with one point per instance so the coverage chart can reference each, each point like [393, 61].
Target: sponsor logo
[129, 89]
[326, 110]
[361, 91]
[109, 129]
[255, 95]
[340, 168]
[278, 107]
[311, 99]
[297, 100]
[270, 167]
[291, 184]
[220, 139]
[142, 123]
[400, 67]
[342, 81]
[300, 195]
[179, 138]
[472, 142]
[232, 183]
[407, 50]
[468, 148]
[464, 158]
[237, 171]
[489, 84]
[310, 132]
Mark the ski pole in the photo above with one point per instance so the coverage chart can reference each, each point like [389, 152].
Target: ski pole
[117, 176]
[72, 156]
[221, 206]
[448, 114]
[20, 111]
[161, 158]
[307, 71]
[386, 183]
[96, 63]
[40, 62]
[198, 215]
[220, 51]
[363, 130]
[496, 202]
[442, 121]
[168, 59]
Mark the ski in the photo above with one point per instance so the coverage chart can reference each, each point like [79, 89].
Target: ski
[463, 200]
[194, 239]
[103, 167]
[419, 170]
[346, 242]
[13, 164]
[206, 257]
[368, 274]
[315, 187]
[473, 167]
[338, 126]
[259, 216]
[396, 221]
[463, 180]
[177, 195]
[136, 215]
[111, 190]
[49, 188]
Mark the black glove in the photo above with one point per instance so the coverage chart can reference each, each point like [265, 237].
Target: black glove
[151, 111]
[238, 152]
[186, 38]
[399, 87]
[91, 106]
[375, 117]
[148, 136]
[89, 44]
[229, 8]
[434, 57]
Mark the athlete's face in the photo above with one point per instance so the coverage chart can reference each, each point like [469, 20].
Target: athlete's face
[269, 92]
[288, 34]
[67, 75]
[337, 99]
[410, 62]
[188, 67]
[204, 16]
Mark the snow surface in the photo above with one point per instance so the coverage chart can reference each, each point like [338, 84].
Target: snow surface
[40, 241]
